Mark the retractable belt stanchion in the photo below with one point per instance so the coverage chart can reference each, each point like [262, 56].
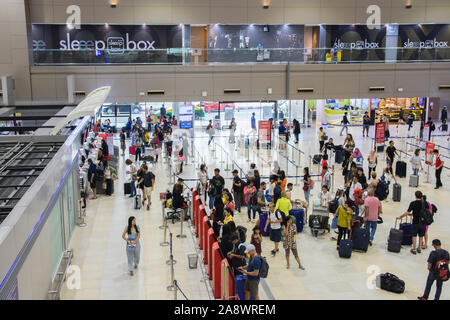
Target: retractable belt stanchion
[162, 196]
[181, 235]
[164, 243]
[171, 261]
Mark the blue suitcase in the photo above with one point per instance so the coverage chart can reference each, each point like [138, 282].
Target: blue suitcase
[345, 248]
[361, 237]
[240, 285]
[262, 223]
[407, 233]
[299, 219]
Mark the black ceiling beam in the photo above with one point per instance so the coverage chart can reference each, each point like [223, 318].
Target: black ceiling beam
[25, 167]
[44, 117]
[20, 175]
[16, 186]
[21, 129]
[10, 198]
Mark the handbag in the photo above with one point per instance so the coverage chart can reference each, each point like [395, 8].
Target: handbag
[305, 187]
[130, 248]
[334, 222]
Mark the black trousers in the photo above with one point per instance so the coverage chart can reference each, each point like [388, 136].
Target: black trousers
[342, 234]
[138, 154]
[438, 178]
[431, 278]
[109, 183]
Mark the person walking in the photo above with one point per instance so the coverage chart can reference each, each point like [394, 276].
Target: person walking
[387, 133]
[253, 123]
[418, 227]
[431, 127]
[391, 152]
[296, 129]
[133, 176]
[251, 199]
[344, 123]
[373, 160]
[290, 242]
[437, 258]
[252, 272]
[210, 131]
[138, 148]
[321, 138]
[233, 127]
[122, 141]
[444, 114]
[366, 124]
[439, 164]
[372, 210]
[148, 180]
[131, 235]
[411, 118]
[275, 221]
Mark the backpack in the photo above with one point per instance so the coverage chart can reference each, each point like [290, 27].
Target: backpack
[333, 205]
[426, 215]
[264, 269]
[382, 190]
[357, 193]
[441, 269]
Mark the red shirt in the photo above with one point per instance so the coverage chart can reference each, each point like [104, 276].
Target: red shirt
[438, 161]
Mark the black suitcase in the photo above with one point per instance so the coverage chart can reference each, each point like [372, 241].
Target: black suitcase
[380, 148]
[444, 127]
[400, 169]
[137, 202]
[345, 248]
[127, 188]
[397, 192]
[390, 282]
[361, 237]
[395, 239]
[339, 158]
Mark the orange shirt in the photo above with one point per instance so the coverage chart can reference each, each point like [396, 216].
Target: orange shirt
[283, 184]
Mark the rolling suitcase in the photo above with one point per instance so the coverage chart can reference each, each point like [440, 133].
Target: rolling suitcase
[339, 157]
[298, 214]
[132, 150]
[400, 169]
[127, 188]
[407, 232]
[380, 148]
[317, 158]
[414, 180]
[395, 239]
[397, 192]
[444, 127]
[137, 202]
[345, 248]
[262, 223]
[361, 237]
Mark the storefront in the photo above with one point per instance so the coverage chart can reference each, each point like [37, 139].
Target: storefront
[394, 108]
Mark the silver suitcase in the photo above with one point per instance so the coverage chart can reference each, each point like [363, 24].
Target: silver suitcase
[414, 181]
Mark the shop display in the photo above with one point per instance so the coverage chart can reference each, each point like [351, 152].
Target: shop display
[394, 108]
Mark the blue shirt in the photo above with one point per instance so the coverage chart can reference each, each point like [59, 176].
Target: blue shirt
[128, 126]
[92, 170]
[366, 120]
[281, 129]
[253, 122]
[254, 264]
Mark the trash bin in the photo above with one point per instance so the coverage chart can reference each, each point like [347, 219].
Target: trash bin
[193, 260]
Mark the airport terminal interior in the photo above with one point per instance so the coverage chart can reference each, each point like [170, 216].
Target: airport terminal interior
[224, 150]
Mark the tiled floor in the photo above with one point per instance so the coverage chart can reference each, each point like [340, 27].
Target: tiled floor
[100, 252]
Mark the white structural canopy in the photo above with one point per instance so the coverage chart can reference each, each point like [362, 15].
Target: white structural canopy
[88, 107]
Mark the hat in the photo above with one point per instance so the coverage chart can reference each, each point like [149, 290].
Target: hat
[436, 242]
[249, 248]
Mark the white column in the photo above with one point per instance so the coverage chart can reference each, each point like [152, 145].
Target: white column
[320, 111]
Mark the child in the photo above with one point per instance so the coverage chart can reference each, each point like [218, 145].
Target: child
[324, 163]
[256, 239]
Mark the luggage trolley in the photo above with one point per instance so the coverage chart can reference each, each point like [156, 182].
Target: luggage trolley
[318, 221]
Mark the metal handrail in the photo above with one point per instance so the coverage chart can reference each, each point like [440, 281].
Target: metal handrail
[62, 275]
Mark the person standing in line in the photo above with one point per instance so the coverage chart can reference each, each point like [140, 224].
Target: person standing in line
[108, 178]
[253, 122]
[351, 194]
[257, 239]
[366, 124]
[372, 159]
[162, 111]
[344, 221]
[251, 198]
[431, 127]
[306, 184]
[233, 127]
[321, 138]
[203, 179]
[344, 123]
[138, 146]
[283, 204]
[372, 210]
[92, 172]
[237, 189]
[215, 187]
[436, 258]
[133, 176]
[418, 227]
[444, 114]
[210, 131]
[296, 129]
[290, 243]
[416, 164]
[149, 123]
[387, 133]
[122, 141]
[131, 235]
[275, 221]
[148, 180]
[439, 165]
[252, 272]
[326, 180]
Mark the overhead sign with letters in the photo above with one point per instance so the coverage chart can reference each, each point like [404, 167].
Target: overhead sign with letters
[58, 43]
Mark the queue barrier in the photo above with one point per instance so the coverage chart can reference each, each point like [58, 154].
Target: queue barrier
[217, 257]
[204, 237]
[210, 239]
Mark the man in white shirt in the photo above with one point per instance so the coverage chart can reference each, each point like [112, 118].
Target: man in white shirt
[251, 171]
[132, 176]
[326, 181]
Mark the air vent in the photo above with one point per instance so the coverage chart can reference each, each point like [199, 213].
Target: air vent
[376, 89]
[305, 90]
[444, 87]
[155, 92]
[232, 91]
[79, 93]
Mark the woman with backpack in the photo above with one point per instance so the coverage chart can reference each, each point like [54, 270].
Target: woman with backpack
[290, 241]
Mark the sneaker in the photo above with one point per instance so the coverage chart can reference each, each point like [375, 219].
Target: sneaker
[273, 252]
[287, 267]
[302, 267]
[413, 251]
[419, 251]
[421, 298]
[370, 242]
